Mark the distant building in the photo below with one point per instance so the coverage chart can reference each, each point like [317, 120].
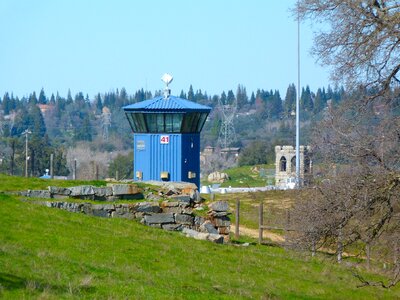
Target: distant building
[230, 152]
[285, 163]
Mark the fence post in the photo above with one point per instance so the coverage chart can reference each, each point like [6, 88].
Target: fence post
[74, 170]
[260, 222]
[287, 225]
[52, 166]
[339, 247]
[368, 253]
[237, 219]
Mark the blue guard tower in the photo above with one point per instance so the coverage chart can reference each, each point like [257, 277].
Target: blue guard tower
[166, 137]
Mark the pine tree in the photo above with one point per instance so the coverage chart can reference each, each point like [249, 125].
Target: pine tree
[290, 100]
[190, 95]
[241, 96]
[42, 97]
[230, 98]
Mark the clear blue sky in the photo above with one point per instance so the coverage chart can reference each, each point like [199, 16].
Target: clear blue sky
[98, 46]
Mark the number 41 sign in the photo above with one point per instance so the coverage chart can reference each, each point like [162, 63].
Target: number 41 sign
[164, 139]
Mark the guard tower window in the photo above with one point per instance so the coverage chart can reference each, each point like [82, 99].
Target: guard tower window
[193, 122]
[282, 164]
[137, 122]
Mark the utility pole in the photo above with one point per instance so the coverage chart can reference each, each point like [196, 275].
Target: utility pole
[26, 133]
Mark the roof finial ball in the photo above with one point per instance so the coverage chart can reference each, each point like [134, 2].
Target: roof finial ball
[167, 79]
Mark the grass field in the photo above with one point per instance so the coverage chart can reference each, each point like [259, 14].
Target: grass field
[246, 176]
[51, 254]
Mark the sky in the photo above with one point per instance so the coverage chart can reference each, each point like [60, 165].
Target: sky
[94, 46]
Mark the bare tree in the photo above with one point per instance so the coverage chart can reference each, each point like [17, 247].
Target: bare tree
[357, 145]
[361, 41]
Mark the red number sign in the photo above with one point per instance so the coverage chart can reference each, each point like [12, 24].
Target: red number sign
[164, 139]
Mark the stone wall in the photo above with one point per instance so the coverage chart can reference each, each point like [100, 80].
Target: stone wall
[172, 208]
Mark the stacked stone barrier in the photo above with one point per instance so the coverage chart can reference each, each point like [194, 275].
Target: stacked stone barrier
[170, 209]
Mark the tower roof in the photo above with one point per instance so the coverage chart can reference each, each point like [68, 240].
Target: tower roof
[169, 104]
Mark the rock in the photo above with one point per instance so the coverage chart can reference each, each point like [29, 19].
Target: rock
[223, 230]
[184, 219]
[172, 227]
[152, 197]
[82, 190]
[221, 222]
[125, 189]
[124, 215]
[181, 199]
[215, 214]
[187, 211]
[159, 219]
[39, 193]
[216, 238]
[100, 213]
[176, 210]
[101, 193]
[218, 177]
[219, 206]
[190, 232]
[208, 228]
[103, 206]
[199, 220]
[169, 204]
[196, 197]
[149, 207]
[59, 191]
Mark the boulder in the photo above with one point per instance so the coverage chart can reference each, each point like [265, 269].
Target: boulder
[149, 207]
[59, 191]
[219, 206]
[39, 193]
[82, 190]
[208, 228]
[102, 192]
[221, 222]
[159, 219]
[218, 177]
[184, 219]
[125, 189]
[172, 227]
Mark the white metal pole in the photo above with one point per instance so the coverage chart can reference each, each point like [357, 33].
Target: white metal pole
[298, 102]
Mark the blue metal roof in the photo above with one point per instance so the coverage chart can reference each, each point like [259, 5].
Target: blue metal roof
[170, 104]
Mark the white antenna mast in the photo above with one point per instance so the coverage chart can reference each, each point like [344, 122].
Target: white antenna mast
[167, 79]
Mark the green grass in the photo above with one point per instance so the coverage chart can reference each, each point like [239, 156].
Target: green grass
[245, 177]
[275, 204]
[48, 253]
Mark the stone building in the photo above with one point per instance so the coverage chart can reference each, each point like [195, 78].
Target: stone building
[285, 163]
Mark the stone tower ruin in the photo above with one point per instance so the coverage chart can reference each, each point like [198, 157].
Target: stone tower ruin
[285, 162]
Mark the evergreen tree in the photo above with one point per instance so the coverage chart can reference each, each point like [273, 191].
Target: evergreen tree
[290, 100]
[32, 98]
[52, 100]
[42, 97]
[190, 95]
[252, 98]
[6, 104]
[241, 96]
[319, 101]
[182, 95]
[306, 102]
[223, 98]
[230, 98]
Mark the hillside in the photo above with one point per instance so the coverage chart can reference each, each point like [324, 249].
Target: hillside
[50, 254]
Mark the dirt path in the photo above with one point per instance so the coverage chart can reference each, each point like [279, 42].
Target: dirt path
[254, 233]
